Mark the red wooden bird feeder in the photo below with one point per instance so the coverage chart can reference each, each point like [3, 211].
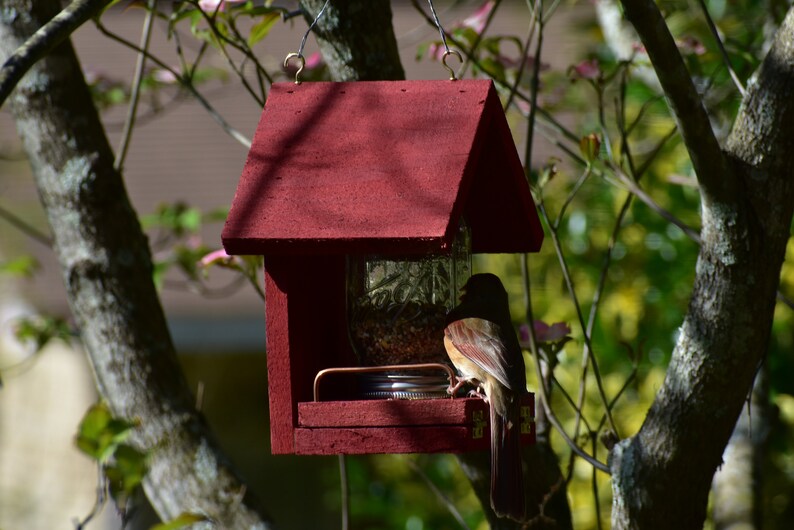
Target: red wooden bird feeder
[349, 170]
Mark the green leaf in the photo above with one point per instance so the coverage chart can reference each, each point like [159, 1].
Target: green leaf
[91, 428]
[261, 29]
[100, 434]
[217, 215]
[179, 218]
[41, 329]
[23, 267]
[184, 520]
[421, 50]
[188, 258]
[129, 468]
[159, 271]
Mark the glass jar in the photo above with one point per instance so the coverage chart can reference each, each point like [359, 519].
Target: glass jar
[397, 307]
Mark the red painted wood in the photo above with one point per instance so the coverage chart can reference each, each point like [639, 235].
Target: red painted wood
[360, 168]
[446, 439]
[399, 426]
[386, 167]
[306, 332]
[278, 363]
[372, 413]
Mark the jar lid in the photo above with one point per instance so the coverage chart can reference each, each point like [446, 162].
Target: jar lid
[403, 386]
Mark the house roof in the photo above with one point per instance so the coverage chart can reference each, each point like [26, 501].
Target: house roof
[381, 167]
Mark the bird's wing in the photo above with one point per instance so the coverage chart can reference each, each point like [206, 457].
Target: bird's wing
[479, 341]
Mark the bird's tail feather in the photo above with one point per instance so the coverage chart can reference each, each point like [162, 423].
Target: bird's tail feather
[507, 480]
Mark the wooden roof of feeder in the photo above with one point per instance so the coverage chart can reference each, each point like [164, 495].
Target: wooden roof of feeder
[381, 167]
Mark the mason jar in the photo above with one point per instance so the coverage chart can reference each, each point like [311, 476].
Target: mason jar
[397, 306]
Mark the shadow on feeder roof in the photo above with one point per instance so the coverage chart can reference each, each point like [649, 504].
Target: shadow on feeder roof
[383, 167]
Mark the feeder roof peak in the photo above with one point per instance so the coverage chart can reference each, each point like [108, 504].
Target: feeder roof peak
[381, 167]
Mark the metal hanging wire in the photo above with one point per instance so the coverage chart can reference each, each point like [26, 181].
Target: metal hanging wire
[447, 51]
[302, 60]
[299, 54]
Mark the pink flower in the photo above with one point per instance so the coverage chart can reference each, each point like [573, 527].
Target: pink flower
[543, 332]
[312, 62]
[218, 257]
[213, 6]
[585, 70]
[692, 45]
[477, 20]
[163, 76]
[436, 51]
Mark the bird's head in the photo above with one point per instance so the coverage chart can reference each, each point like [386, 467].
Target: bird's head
[483, 287]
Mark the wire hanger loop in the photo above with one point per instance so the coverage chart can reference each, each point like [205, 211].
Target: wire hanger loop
[301, 65]
[448, 67]
[447, 51]
[299, 53]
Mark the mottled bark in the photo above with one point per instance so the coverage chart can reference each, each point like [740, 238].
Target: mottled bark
[44, 40]
[107, 271]
[356, 39]
[662, 475]
[736, 488]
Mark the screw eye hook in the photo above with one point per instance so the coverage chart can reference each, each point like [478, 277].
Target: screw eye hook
[449, 68]
[301, 65]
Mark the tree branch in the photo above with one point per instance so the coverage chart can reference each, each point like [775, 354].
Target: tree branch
[44, 40]
[665, 468]
[714, 174]
[106, 265]
[356, 39]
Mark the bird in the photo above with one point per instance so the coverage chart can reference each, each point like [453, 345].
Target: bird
[482, 345]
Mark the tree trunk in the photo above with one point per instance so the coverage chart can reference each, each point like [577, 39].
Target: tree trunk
[356, 39]
[736, 489]
[107, 271]
[662, 475]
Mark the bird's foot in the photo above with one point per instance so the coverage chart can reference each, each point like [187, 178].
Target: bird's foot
[459, 382]
[477, 392]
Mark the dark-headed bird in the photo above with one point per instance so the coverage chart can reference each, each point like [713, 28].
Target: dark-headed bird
[481, 343]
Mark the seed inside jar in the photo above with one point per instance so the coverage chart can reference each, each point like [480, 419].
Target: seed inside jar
[414, 334]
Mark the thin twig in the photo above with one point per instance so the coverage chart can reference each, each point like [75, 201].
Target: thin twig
[446, 501]
[344, 486]
[99, 501]
[523, 59]
[137, 80]
[203, 290]
[534, 88]
[641, 194]
[26, 228]
[594, 483]
[222, 39]
[544, 394]
[586, 173]
[723, 52]
[187, 84]
[574, 298]
[547, 117]
[478, 39]
[717, 180]
[630, 379]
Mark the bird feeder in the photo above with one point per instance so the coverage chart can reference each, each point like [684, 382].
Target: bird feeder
[346, 183]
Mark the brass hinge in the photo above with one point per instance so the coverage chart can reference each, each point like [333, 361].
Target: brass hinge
[527, 419]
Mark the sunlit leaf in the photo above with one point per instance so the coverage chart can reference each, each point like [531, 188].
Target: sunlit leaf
[183, 521]
[261, 29]
[23, 266]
